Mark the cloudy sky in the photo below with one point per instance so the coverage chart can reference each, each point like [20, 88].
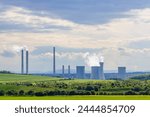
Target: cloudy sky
[82, 30]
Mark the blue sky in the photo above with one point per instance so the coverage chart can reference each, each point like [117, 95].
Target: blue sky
[82, 31]
[82, 11]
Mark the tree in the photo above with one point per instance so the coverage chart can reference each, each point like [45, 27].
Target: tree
[39, 94]
[21, 92]
[2, 93]
[89, 88]
[11, 93]
[31, 93]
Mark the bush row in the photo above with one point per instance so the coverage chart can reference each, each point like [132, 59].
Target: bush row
[73, 92]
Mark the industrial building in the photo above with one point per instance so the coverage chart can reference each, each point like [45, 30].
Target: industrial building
[95, 71]
[80, 72]
[121, 72]
[102, 76]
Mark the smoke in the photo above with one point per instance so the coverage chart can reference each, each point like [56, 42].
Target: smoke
[93, 59]
[19, 48]
[101, 59]
[90, 59]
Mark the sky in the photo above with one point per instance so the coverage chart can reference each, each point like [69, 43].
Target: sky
[83, 32]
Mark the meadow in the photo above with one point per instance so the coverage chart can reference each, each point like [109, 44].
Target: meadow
[23, 87]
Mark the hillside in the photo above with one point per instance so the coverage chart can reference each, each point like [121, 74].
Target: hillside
[29, 85]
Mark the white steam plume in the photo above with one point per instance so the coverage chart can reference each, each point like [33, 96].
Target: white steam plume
[93, 59]
[17, 48]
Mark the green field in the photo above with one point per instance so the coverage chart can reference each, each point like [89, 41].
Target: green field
[96, 97]
[30, 87]
[7, 78]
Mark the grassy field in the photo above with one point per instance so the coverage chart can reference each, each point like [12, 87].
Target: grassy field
[9, 82]
[96, 97]
[7, 78]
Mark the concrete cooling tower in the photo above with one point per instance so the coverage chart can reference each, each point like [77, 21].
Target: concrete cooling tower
[95, 70]
[121, 72]
[102, 76]
[80, 72]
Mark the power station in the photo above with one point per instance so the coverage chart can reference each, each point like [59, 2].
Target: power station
[97, 72]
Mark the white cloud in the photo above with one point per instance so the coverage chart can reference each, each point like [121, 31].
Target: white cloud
[23, 16]
[118, 33]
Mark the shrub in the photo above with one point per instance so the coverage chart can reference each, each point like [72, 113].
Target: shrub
[137, 89]
[89, 88]
[88, 93]
[80, 88]
[63, 93]
[21, 92]
[51, 93]
[11, 92]
[39, 94]
[2, 93]
[92, 92]
[130, 93]
[72, 93]
[142, 93]
[96, 88]
[31, 93]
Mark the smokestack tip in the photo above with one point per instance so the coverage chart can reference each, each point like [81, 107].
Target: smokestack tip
[101, 63]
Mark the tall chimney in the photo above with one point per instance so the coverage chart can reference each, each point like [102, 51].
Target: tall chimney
[68, 71]
[63, 70]
[27, 61]
[22, 61]
[54, 67]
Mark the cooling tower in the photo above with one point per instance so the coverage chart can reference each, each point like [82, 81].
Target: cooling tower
[27, 62]
[54, 67]
[101, 73]
[80, 72]
[121, 72]
[95, 70]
